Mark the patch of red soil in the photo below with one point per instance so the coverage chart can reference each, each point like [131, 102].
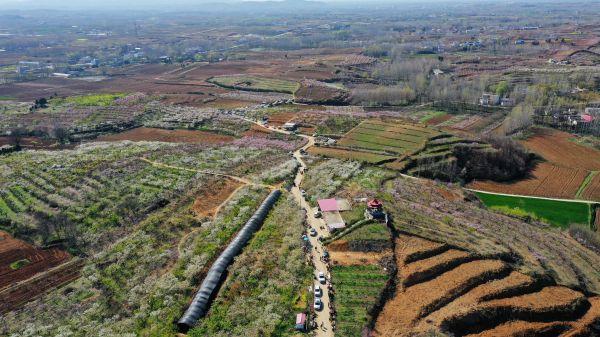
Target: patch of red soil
[557, 147]
[38, 260]
[15, 296]
[213, 196]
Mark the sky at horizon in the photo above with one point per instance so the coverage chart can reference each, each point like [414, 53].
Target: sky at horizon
[6, 5]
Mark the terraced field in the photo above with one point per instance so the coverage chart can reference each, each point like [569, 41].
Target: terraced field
[358, 276]
[396, 138]
[255, 83]
[421, 209]
[341, 153]
[459, 293]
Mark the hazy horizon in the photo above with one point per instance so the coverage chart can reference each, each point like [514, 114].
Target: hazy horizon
[175, 4]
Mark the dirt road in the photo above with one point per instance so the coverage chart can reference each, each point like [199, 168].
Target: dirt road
[323, 316]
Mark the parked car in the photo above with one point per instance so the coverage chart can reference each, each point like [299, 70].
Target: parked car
[326, 254]
[322, 278]
[318, 214]
[313, 232]
[303, 193]
[318, 304]
[318, 291]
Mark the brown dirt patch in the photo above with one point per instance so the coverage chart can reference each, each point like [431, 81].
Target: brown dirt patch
[412, 248]
[524, 329]
[280, 118]
[338, 246]
[13, 297]
[169, 136]
[257, 131]
[439, 119]
[592, 191]
[356, 258]
[21, 285]
[13, 250]
[584, 326]
[213, 196]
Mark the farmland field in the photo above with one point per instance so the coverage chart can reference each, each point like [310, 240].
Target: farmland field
[558, 213]
[19, 262]
[546, 180]
[368, 157]
[255, 83]
[357, 289]
[271, 267]
[396, 138]
[564, 173]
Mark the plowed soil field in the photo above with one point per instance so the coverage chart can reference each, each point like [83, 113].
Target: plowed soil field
[27, 271]
[34, 260]
[566, 166]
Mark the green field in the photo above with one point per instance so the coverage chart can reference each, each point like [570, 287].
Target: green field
[357, 290]
[557, 213]
[368, 157]
[431, 115]
[88, 100]
[255, 83]
[392, 137]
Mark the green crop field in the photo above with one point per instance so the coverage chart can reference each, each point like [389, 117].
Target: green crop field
[357, 290]
[557, 213]
[88, 100]
[391, 137]
[368, 157]
[255, 83]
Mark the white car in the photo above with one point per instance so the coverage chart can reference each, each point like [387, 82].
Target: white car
[322, 278]
[318, 304]
[313, 232]
[303, 193]
[318, 214]
[318, 291]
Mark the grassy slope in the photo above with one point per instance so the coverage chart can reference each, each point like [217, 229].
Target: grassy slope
[558, 213]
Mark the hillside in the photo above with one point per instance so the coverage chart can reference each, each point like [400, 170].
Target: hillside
[456, 262]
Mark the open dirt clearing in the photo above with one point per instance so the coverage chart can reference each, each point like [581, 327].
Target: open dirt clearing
[207, 204]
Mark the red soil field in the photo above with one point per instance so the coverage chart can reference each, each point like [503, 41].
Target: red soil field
[169, 136]
[566, 167]
[556, 147]
[39, 260]
[13, 297]
[592, 191]
[439, 120]
[546, 180]
[213, 196]
[281, 118]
